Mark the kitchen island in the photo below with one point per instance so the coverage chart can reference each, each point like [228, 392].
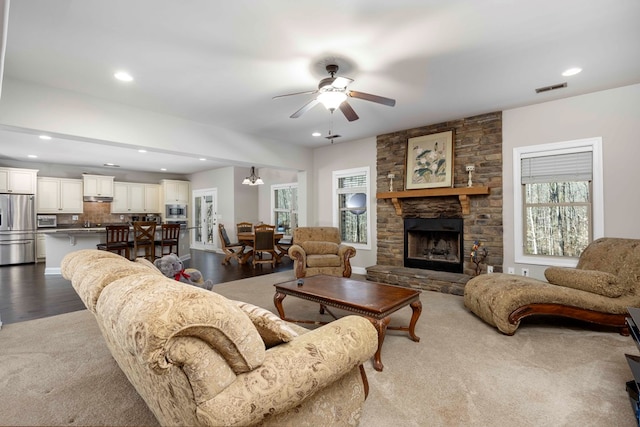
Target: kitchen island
[63, 240]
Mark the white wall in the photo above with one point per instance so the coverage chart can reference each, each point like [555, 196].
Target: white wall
[66, 113]
[340, 156]
[613, 115]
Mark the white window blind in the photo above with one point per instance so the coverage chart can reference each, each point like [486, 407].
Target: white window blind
[576, 166]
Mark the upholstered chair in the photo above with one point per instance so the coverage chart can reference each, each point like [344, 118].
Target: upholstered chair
[319, 250]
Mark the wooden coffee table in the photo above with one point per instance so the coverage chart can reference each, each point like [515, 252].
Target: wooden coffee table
[374, 301]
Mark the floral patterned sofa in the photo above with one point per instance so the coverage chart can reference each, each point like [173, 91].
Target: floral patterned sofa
[319, 250]
[599, 289]
[198, 358]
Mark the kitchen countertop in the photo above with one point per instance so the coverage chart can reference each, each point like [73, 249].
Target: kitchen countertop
[72, 230]
[78, 229]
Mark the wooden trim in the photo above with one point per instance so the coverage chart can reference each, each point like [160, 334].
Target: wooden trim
[605, 319]
[463, 194]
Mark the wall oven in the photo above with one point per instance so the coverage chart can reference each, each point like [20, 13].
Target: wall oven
[175, 212]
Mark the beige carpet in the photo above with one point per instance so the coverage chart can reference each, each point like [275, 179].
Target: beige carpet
[57, 371]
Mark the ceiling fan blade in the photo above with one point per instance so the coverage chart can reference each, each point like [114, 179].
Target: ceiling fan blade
[341, 82]
[296, 93]
[306, 107]
[373, 98]
[348, 112]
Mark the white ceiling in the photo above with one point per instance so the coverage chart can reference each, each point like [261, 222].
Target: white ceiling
[222, 62]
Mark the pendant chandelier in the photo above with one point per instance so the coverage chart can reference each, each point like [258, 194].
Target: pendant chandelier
[253, 179]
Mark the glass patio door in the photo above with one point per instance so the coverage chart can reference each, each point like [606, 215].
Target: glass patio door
[205, 219]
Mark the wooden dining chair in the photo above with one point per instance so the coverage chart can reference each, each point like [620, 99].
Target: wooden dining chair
[244, 227]
[144, 238]
[169, 237]
[117, 240]
[264, 244]
[231, 250]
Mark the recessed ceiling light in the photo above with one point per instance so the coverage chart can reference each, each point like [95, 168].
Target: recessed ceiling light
[202, 159]
[572, 71]
[163, 169]
[123, 76]
[142, 151]
[44, 137]
[32, 156]
[316, 134]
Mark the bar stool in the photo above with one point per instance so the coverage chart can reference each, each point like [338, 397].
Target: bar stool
[170, 234]
[117, 240]
[144, 238]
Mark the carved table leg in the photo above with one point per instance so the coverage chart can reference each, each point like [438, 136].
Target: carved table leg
[277, 301]
[416, 306]
[381, 327]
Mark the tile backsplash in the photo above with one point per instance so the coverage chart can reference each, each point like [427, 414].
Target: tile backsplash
[96, 214]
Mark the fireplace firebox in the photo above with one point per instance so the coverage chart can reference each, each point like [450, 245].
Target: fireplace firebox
[434, 244]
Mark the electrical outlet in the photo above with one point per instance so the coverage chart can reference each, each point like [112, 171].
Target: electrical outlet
[74, 217]
[511, 270]
[489, 269]
[525, 272]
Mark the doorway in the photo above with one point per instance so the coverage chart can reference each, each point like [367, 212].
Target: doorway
[205, 219]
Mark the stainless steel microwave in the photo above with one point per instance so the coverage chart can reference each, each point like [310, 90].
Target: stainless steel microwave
[175, 212]
[47, 221]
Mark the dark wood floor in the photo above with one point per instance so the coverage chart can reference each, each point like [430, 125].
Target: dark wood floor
[26, 293]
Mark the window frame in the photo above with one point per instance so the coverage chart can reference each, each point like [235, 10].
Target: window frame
[274, 188]
[336, 175]
[597, 215]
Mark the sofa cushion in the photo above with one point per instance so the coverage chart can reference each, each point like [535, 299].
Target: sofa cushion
[323, 261]
[271, 328]
[596, 282]
[312, 247]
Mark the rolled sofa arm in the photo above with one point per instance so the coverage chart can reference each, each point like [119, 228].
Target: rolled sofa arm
[293, 372]
[299, 257]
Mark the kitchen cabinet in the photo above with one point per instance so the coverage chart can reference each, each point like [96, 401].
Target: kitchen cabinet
[41, 248]
[19, 181]
[97, 185]
[59, 195]
[175, 192]
[132, 197]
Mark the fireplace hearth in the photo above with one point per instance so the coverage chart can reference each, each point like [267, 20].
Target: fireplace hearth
[434, 244]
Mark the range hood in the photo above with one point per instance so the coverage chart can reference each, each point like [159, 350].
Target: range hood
[99, 199]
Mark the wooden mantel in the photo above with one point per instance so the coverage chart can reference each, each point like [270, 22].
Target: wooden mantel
[463, 194]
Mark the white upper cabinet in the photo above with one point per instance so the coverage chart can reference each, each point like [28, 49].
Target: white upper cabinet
[19, 181]
[132, 197]
[98, 185]
[175, 192]
[59, 195]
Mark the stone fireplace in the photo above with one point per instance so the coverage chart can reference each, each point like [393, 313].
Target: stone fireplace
[434, 244]
[478, 142]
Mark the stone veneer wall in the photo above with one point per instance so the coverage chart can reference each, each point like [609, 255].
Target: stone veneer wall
[478, 141]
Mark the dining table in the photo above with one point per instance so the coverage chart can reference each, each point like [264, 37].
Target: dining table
[248, 238]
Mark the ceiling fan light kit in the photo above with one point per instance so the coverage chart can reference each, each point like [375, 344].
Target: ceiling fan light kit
[333, 94]
[253, 179]
[332, 100]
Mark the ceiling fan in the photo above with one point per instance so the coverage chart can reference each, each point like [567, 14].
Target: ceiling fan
[333, 93]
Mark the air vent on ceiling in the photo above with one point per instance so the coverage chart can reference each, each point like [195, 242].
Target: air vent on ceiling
[552, 87]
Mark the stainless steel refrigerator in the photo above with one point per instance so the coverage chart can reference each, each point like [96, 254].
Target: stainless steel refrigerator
[17, 229]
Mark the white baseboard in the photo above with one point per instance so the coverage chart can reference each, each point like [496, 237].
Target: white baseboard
[359, 270]
[52, 271]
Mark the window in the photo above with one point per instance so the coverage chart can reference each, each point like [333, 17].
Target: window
[284, 207]
[351, 206]
[558, 201]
